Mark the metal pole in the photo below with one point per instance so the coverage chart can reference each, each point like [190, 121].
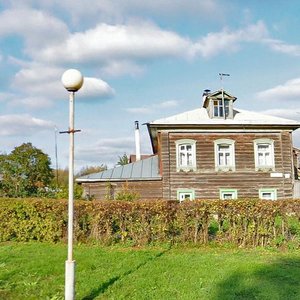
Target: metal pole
[223, 102]
[56, 160]
[70, 263]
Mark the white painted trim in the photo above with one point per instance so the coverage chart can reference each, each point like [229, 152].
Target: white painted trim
[268, 190]
[228, 191]
[186, 191]
[231, 144]
[256, 142]
[191, 142]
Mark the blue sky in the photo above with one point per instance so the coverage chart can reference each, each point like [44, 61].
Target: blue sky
[142, 60]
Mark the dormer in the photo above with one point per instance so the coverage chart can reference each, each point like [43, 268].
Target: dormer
[216, 102]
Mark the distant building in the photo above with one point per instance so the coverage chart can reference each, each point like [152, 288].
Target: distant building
[213, 152]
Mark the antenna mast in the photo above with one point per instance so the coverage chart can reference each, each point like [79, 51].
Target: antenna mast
[222, 89]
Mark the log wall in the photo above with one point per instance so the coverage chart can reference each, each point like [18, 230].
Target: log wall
[207, 182]
[151, 190]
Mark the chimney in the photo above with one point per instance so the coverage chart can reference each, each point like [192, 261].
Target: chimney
[137, 141]
[205, 94]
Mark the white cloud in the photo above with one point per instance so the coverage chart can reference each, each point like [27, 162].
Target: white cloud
[290, 90]
[282, 47]
[96, 88]
[39, 79]
[36, 27]
[228, 40]
[121, 67]
[42, 84]
[22, 125]
[116, 10]
[32, 102]
[116, 42]
[105, 151]
[153, 107]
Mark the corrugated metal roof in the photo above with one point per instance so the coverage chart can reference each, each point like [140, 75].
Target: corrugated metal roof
[146, 169]
[199, 116]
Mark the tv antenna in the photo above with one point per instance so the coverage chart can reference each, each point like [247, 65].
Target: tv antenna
[222, 89]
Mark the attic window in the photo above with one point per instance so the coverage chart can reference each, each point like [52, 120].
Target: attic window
[218, 108]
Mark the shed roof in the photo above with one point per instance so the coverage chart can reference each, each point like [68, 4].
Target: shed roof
[146, 169]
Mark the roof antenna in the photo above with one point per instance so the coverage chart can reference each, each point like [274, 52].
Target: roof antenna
[222, 89]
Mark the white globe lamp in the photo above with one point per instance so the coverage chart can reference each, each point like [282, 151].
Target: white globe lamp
[72, 80]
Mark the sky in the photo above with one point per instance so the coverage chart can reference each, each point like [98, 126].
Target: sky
[141, 60]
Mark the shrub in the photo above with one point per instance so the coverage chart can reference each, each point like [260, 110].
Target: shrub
[244, 223]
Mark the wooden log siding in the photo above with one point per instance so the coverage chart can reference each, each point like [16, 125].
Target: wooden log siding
[148, 190]
[245, 179]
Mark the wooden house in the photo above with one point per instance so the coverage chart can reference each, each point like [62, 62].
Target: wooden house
[213, 152]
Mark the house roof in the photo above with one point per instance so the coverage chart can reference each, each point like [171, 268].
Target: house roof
[199, 119]
[200, 116]
[146, 169]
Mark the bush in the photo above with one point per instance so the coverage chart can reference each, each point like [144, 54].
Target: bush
[244, 223]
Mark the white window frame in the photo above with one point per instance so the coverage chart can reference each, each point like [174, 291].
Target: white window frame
[186, 142]
[224, 192]
[231, 144]
[220, 109]
[272, 192]
[264, 167]
[181, 193]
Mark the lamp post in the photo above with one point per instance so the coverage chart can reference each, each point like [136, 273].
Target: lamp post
[72, 81]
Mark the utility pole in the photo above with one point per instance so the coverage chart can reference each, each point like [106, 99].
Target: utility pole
[222, 89]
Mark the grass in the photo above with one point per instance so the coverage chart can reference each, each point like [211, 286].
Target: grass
[36, 271]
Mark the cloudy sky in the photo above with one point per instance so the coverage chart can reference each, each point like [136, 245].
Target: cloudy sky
[142, 60]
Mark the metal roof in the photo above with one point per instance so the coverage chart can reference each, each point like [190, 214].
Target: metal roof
[200, 116]
[146, 169]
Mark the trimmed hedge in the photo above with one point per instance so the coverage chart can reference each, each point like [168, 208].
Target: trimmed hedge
[245, 222]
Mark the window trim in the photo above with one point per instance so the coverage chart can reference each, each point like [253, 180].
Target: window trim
[233, 191]
[264, 167]
[231, 144]
[185, 191]
[268, 190]
[191, 142]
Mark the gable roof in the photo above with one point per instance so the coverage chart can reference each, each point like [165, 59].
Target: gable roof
[218, 95]
[146, 169]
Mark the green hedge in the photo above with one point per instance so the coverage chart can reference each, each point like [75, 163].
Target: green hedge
[245, 222]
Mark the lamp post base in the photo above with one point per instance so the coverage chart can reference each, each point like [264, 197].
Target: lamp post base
[70, 280]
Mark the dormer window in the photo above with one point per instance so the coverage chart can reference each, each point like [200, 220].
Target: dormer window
[219, 103]
[218, 108]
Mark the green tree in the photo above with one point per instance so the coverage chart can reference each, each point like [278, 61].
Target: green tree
[123, 160]
[25, 172]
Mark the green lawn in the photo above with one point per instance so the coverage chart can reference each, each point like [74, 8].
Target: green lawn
[36, 271]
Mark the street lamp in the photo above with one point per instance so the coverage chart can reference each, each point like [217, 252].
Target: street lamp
[72, 81]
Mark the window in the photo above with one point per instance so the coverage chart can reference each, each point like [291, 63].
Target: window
[268, 194]
[186, 155]
[218, 108]
[224, 155]
[264, 154]
[226, 194]
[183, 195]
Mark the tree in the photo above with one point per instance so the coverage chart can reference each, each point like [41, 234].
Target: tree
[123, 160]
[25, 171]
[91, 169]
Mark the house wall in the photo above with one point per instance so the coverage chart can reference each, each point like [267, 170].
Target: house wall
[207, 182]
[150, 190]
